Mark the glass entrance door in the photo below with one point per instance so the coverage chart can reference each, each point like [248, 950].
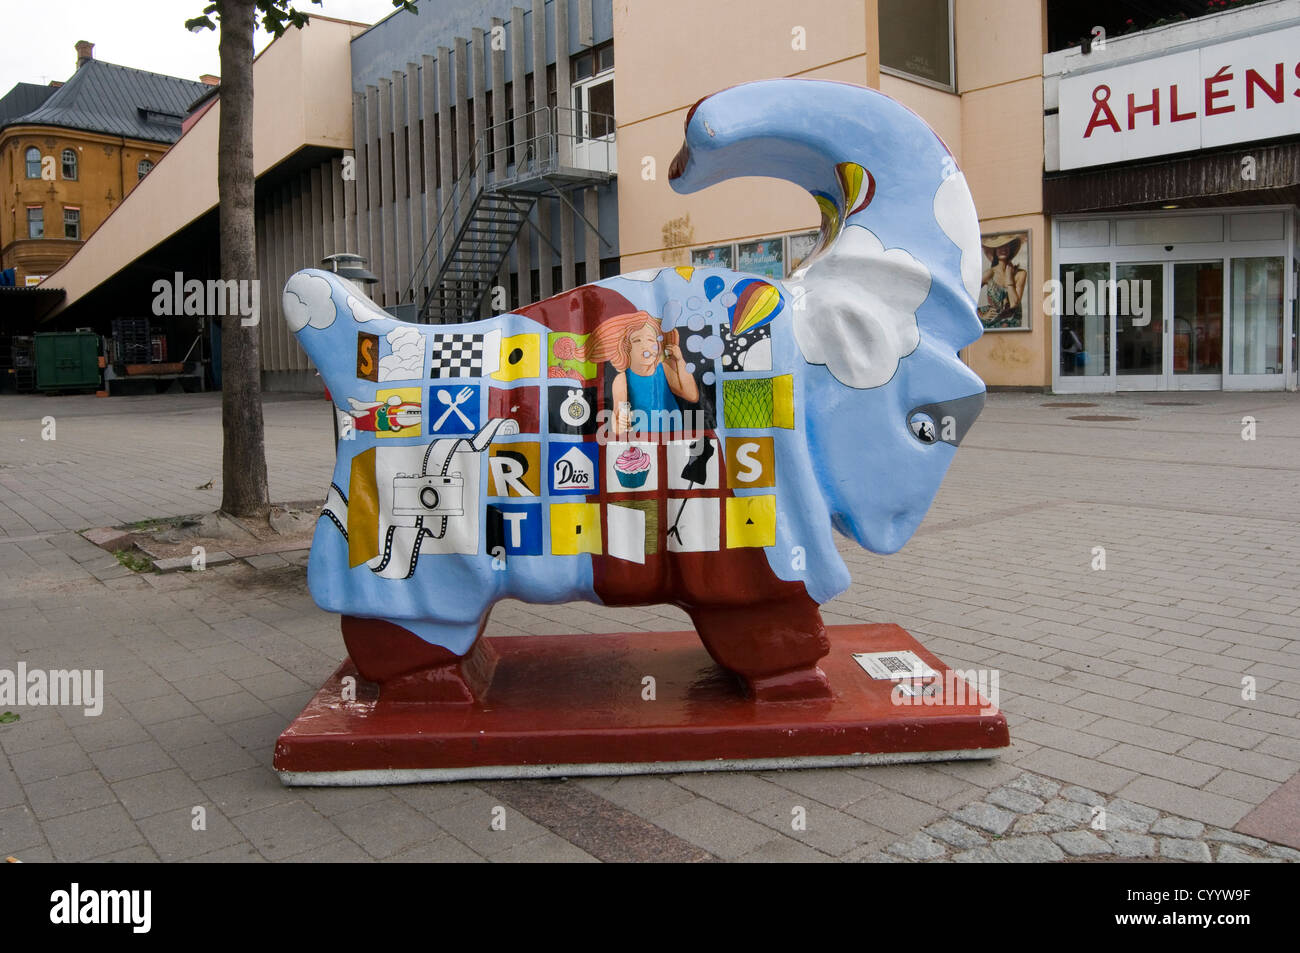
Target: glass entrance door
[1168, 325]
[1195, 345]
[1140, 325]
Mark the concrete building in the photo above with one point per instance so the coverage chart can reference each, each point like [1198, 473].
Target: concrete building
[167, 231]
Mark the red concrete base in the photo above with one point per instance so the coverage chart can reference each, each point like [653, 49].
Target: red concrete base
[577, 704]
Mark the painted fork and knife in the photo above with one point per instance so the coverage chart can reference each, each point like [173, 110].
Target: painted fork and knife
[453, 406]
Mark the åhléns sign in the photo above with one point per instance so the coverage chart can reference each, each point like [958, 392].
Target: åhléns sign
[1239, 91]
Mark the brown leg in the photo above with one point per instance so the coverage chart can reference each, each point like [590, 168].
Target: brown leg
[409, 669]
[772, 646]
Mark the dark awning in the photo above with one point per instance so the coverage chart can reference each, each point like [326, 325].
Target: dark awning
[1201, 179]
[22, 308]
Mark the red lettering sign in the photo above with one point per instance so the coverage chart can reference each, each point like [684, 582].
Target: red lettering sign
[1174, 114]
[1274, 92]
[1101, 110]
[1152, 107]
[1211, 94]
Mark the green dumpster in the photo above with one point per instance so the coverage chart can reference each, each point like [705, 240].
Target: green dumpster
[67, 360]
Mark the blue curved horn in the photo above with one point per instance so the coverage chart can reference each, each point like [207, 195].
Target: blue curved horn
[812, 133]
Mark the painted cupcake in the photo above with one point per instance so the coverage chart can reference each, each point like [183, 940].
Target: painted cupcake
[632, 468]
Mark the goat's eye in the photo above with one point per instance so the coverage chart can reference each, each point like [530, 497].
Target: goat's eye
[923, 428]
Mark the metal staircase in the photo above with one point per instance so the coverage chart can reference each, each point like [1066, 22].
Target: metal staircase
[467, 274]
[489, 205]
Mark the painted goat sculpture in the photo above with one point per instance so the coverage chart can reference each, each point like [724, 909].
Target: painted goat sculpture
[684, 435]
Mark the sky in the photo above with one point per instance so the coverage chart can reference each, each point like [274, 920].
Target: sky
[41, 35]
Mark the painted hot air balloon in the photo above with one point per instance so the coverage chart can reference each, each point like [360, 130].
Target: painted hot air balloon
[858, 185]
[757, 303]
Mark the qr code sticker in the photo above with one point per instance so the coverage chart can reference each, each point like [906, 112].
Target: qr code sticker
[894, 665]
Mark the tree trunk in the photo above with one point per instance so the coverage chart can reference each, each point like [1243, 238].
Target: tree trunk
[243, 459]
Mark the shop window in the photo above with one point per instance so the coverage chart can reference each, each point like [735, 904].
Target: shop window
[35, 222]
[1084, 326]
[143, 168]
[1258, 296]
[70, 164]
[33, 163]
[72, 223]
[916, 40]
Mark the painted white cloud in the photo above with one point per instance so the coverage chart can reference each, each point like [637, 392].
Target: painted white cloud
[307, 301]
[954, 210]
[407, 360]
[645, 274]
[857, 313]
[364, 310]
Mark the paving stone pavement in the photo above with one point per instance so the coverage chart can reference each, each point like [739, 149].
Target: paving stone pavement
[1163, 688]
[1035, 819]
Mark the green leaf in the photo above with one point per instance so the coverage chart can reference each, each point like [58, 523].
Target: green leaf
[8, 716]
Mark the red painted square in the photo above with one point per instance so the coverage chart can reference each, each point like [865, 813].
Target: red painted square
[519, 404]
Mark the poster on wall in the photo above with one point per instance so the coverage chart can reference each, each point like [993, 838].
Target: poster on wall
[717, 256]
[765, 257]
[1002, 305]
[800, 246]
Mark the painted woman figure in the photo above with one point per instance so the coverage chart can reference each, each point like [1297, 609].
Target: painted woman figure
[652, 373]
[1004, 282]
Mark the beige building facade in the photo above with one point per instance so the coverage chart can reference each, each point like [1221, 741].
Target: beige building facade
[987, 113]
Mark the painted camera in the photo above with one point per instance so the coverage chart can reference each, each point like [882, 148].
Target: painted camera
[429, 495]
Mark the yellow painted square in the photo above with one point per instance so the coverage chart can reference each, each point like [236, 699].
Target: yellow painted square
[575, 528]
[402, 412]
[363, 509]
[751, 462]
[751, 521]
[783, 401]
[515, 469]
[521, 358]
